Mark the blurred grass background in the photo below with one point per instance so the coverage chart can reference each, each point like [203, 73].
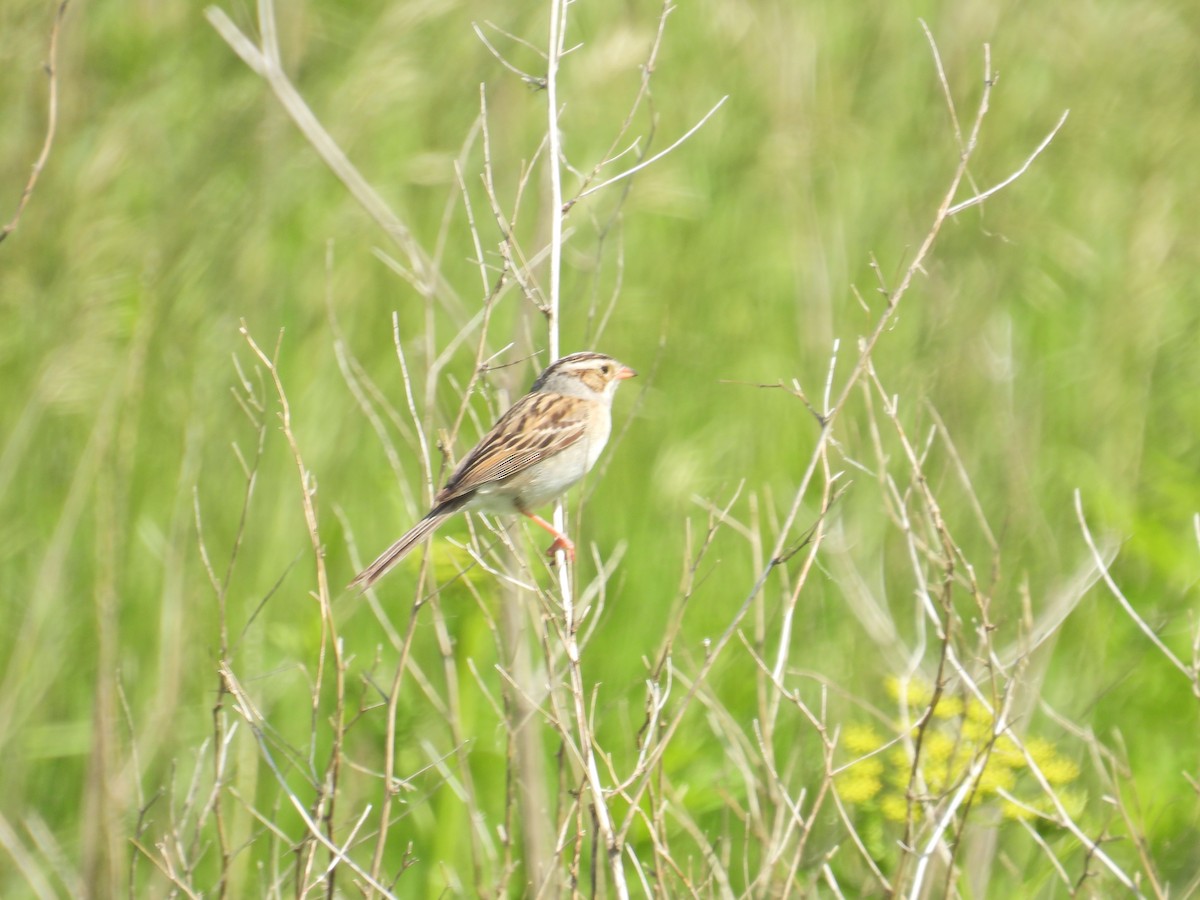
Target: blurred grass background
[1055, 333]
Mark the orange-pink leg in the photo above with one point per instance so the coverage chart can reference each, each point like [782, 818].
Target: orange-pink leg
[561, 541]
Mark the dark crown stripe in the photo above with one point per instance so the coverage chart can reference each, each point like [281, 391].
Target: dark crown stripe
[581, 356]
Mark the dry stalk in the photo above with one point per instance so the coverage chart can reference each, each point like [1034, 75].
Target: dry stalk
[264, 60]
[51, 67]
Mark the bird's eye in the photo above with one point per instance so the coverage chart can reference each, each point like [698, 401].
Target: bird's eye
[605, 369]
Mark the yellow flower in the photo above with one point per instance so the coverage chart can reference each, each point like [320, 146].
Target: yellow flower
[914, 691]
[861, 739]
[977, 712]
[937, 747]
[959, 734]
[964, 755]
[1041, 750]
[894, 807]
[872, 766]
[937, 776]
[976, 732]
[855, 787]
[1006, 752]
[900, 767]
[996, 776]
[1059, 770]
[949, 708]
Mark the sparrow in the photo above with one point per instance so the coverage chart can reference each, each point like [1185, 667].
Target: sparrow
[547, 441]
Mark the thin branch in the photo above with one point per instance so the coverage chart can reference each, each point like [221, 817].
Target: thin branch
[983, 195]
[531, 80]
[265, 61]
[1141, 623]
[51, 68]
[653, 159]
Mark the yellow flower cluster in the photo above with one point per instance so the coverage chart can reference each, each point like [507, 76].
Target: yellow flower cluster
[957, 738]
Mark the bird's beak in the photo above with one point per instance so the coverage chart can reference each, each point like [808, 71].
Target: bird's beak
[626, 372]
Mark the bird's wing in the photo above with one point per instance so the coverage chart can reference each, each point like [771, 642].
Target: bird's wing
[536, 427]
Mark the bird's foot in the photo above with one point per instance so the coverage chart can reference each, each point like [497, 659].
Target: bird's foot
[565, 544]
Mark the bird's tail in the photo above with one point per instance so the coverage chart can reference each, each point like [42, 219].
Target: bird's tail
[401, 548]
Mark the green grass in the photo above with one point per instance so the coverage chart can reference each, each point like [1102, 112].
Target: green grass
[1054, 331]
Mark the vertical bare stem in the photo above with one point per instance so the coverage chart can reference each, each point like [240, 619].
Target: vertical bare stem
[603, 820]
[51, 123]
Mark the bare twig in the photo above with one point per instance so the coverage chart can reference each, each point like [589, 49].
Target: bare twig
[532, 80]
[647, 162]
[1102, 565]
[996, 188]
[51, 67]
[264, 59]
[612, 848]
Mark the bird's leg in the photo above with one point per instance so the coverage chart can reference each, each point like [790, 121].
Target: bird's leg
[561, 541]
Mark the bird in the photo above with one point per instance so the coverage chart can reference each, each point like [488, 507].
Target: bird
[543, 444]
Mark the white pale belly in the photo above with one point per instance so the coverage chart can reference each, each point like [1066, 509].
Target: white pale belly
[545, 481]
